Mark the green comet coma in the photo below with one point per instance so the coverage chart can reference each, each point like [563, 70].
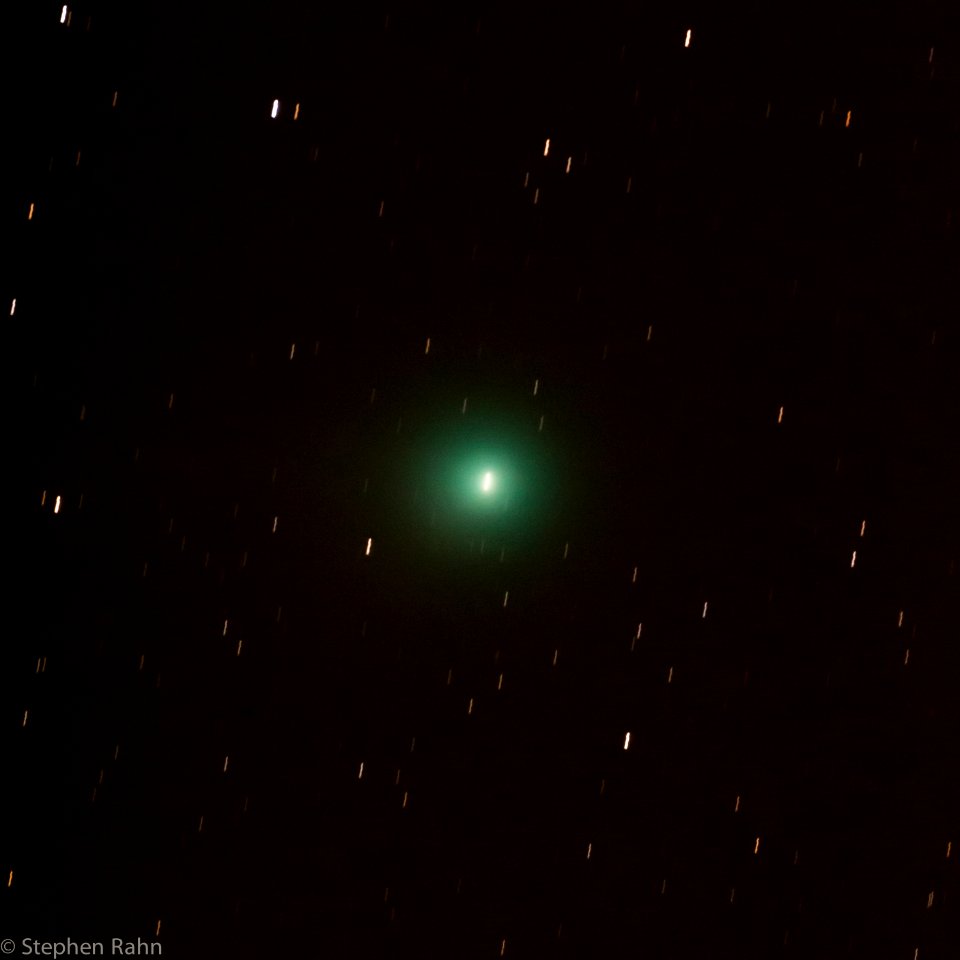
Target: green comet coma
[487, 481]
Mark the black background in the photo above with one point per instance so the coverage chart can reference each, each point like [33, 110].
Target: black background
[725, 244]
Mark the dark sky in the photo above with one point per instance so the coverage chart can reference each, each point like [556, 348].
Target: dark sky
[699, 304]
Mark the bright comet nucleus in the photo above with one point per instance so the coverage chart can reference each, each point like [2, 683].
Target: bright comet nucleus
[486, 485]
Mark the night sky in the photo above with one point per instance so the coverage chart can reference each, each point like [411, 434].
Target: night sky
[286, 282]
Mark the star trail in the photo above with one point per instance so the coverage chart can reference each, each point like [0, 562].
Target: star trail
[489, 482]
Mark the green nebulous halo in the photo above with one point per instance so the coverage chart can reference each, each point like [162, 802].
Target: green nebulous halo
[480, 481]
[487, 478]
